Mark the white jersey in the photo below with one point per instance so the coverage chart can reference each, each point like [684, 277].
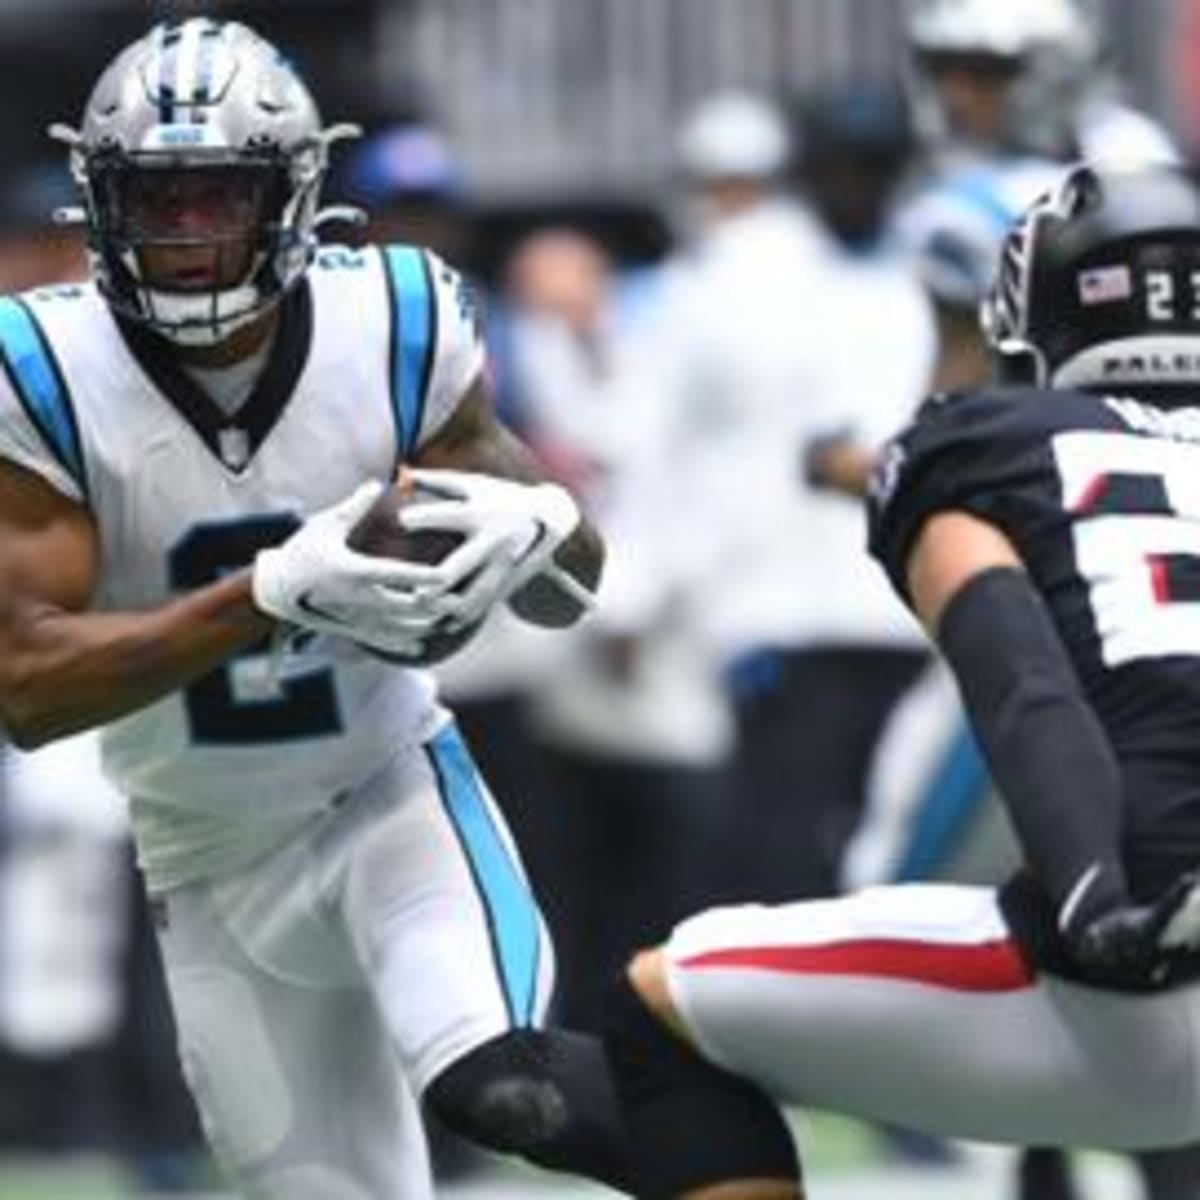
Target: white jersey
[374, 352]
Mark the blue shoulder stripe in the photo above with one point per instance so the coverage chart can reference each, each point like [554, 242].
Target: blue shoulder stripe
[38, 382]
[414, 335]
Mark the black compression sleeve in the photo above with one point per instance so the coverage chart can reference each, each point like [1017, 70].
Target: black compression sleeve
[1044, 744]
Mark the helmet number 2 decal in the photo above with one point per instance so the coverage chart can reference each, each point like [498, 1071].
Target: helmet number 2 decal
[1164, 304]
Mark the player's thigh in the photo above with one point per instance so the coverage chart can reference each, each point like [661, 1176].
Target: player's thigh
[297, 1090]
[441, 910]
[910, 1004]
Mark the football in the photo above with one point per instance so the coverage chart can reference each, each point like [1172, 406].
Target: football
[379, 533]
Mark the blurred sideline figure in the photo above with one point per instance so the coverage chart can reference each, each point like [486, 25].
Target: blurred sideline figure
[36, 249]
[631, 721]
[1022, 77]
[1008, 93]
[409, 181]
[1018, 522]
[739, 355]
[63, 844]
[853, 147]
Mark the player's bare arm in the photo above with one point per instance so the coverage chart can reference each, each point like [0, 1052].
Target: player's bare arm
[473, 440]
[951, 549]
[63, 668]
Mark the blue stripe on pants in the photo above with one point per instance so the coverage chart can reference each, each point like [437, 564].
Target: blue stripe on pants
[512, 913]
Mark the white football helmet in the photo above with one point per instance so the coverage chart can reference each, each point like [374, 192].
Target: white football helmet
[208, 115]
[1051, 46]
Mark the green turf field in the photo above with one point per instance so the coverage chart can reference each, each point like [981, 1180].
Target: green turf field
[844, 1163]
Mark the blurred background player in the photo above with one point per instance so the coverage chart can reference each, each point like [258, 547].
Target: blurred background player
[63, 907]
[630, 722]
[737, 356]
[411, 184]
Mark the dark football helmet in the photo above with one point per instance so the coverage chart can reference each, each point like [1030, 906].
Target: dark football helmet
[1099, 284]
[199, 147]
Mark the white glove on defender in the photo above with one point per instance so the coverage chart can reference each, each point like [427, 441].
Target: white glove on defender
[512, 531]
[314, 580]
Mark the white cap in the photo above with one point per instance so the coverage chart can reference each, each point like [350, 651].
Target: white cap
[733, 134]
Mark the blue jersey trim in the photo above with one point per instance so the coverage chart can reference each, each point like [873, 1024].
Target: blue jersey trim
[958, 791]
[977, 189]
[512, 915]
[36, 378]
[414, 332]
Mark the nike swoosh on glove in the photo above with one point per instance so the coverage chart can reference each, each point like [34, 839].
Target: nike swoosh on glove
[314, 580]
[1135, 946]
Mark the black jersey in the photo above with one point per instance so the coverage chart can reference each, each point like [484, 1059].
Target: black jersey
[1101, 497]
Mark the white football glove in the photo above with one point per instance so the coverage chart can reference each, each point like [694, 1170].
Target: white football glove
[314, 580]
[511, 529]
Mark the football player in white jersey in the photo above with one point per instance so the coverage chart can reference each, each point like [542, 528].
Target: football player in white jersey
[184, 444]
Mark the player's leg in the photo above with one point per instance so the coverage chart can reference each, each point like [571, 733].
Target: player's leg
[282, 1046]
[1171, 1174]
[695, 1130]
[462, 969]
[911, 1005]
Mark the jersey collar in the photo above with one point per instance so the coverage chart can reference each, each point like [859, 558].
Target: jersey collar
[234, 438]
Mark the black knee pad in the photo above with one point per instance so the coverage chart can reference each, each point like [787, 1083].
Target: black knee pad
[690, 1124]
[543, 1094]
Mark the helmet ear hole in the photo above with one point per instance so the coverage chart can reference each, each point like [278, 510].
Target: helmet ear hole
[1017, 367]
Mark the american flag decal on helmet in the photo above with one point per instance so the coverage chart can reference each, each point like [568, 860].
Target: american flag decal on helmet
[1104, 285]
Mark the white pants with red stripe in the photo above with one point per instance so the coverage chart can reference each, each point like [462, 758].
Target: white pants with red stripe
[910, 1004]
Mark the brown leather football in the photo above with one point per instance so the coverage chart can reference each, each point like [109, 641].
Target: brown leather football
[379, 533]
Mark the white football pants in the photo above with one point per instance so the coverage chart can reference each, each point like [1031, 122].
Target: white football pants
[318, 992]
[910, 1004]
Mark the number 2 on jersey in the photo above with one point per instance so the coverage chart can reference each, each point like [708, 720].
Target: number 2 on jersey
[1136, 539]
[241, 703]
